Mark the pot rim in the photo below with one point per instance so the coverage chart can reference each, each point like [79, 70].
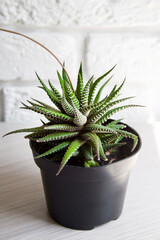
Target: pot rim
[138, 147]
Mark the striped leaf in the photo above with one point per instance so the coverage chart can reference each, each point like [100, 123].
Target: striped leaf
[114, 93]
[64, 75]
[96, 142]
[55, 149]
[112, 146]
[85, 95]
[79, 88]
[44, 105]
[57, 136]
[34, 136]
[50, 94]
[101, 118]
[61, 82]
[52, 114]
[73, 147]
[36, 129]
[104, 107]
[62, 127]
[87, 152]
[99, 128]
[93, 107]
[100, 90]
[67, 106]
[95, 84]
[72, 96]
[55, 91]
[129, 135]
[79, 118]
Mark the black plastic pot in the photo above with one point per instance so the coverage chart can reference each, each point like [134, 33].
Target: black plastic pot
[82, 198]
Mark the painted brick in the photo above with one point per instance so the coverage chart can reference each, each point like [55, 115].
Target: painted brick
[80, 13]
[1, 105]
[13, 96]
[20, 58]
[137, 56]
[142, 97]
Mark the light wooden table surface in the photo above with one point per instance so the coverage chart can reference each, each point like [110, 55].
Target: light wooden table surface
[23, 213]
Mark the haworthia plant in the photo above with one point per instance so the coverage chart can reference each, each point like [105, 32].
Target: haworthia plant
[78, 119]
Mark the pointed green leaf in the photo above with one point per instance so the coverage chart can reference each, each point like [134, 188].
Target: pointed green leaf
[50, 94]
[93, 107]
[67, 106]
[99, 128]
[72, 96]
[129, 135]
[102, 117]
[61, 82]
[103, 108]
[95, 84]
[55, 91]
[79, 88]
[36, 129]
[34, 136]
[91, 163]
[62, 127]
[55, 149]
[73, 147]
[49, 113]
[114, 93]
[79, 118]
[57, 136]
[112, 146]
[87, 152]
[64, 75]
[100, 90]
[44, 105]
[86, 90]
[94, 139]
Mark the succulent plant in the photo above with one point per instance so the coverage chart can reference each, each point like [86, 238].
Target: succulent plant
[78, 121]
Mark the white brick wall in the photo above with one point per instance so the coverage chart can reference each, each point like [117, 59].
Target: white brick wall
[98, 33]
[80, 13]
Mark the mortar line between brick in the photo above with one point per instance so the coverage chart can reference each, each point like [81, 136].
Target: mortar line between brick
[79, 29]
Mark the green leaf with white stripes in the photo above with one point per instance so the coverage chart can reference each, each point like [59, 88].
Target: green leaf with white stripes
[72, 96]
[129, 135]
[57, 136]
[47, 112]
[50, 94]
[112, 146]
[36, 129]
[97, 128]
[55, 149]
[95, 84]
[100, 90]
[61, 81]
[85, 95]
[55, 91]
[73, 147]
[102, 117]
[62, 127]
[67, 106]
[104, 107]
[79, 89]
[79, 119]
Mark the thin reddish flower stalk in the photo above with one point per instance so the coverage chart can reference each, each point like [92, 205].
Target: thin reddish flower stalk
[40, 44]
